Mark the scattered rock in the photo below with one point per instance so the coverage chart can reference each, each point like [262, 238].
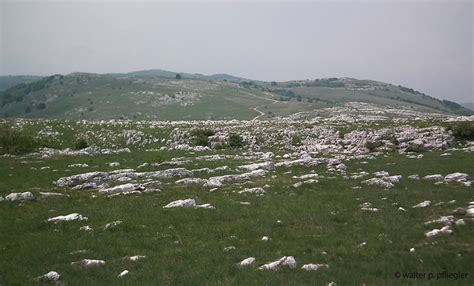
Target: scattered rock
[51, 276]
[122, 274]
[114, 164]
[125, 188]
[414, 177]
[49, 194]
[187, 203]
[86, 228]
[446, 220]
[257, 191]
[457, 177]
[113, 224]
[435, 232]
[257, 166]
[313, 267]
[69, 217]
[423, 204]
[78, 165]
[275, 265]
[434, 178]
[229, 248]
[88, 263]
[247, 262]
[380, 182]
[17, 197]
[134, 258]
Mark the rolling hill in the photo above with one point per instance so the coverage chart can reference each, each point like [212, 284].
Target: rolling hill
[158, 95]
[11, 80]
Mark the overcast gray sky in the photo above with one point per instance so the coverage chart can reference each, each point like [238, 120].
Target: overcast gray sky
[425, 45]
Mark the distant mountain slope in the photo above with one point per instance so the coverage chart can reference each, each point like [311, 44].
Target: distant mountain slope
[158, 95]
[469, 105]
[11, 80]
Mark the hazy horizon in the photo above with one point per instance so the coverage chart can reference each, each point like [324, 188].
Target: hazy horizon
[423, 45]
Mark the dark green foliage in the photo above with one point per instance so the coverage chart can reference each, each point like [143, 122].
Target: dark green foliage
[330, 82]
[201, 136]
[14, 141]
[285, 93]
[41, 106]
[178, 76]
[81, 144]
[416, 148]
[373, 145]
[296, 140]
[28, 109]
[235, 141]
[463, 130]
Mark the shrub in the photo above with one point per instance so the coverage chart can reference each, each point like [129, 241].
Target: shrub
[372, 145]
[463, 130]
[201, 136]
[14, 141]
[81, 144]
[41, 106]
[296, 140]
[235, 141]
[416, 148]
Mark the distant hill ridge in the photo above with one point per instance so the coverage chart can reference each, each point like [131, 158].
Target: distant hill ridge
[164, 95]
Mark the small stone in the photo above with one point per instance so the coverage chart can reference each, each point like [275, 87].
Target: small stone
[51, 276]
[229, 248]
[423, 204]
[86, 228]
[246, 262]
[435, 232]
[313, 267]
[113, 224]
[88, 263]
[134, 258]
[122, 274]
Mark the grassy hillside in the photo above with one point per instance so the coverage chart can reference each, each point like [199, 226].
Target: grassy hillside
[158, 95]
[11, 80]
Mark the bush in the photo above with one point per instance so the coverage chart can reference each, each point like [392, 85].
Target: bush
[201, 136]
[81, 144]
[463, 130]
[416, 148]
[14, 141]
[296, 140]
[373, 145]
[41, 106]
[235, 141]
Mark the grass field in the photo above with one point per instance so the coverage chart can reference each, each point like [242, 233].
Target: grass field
[320, 223]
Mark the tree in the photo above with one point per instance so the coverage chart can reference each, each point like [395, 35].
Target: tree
[178, 76]
[28, 109]
[299, 98]
[40, 106]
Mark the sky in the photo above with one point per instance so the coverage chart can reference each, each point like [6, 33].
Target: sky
[425, 45]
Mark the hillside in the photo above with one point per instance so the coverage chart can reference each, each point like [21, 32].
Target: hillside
[11, 80]
[158, 95]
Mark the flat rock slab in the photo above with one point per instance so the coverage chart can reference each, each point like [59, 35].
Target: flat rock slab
[275, 265]
[18, 197]
[89, 263]
[69, 217]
